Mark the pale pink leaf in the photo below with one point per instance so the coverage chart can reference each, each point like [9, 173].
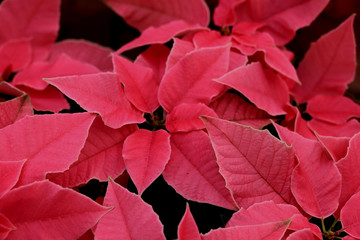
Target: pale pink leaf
[190, 80]
[48, 142]
[63, 66]
[348, 237]
[155, 57]
[131, 218]
[145, 155]
[234, 108]
[188, 229]
[267, 231]
[256, 166]
[139, 83]
[278, 18]
[335, 109]
[161, 34]
[350, 216]
[101, 93]
[100, 158]
[5, 226]
[9, 174]
[263, 87]
[14, 55]
[318, 200]
[142, 14]
[329, 65]
[83, 51]
[35, 19]
[193, 172]
[348, 129]
[185, 117]
[347, 167]
[52, 213]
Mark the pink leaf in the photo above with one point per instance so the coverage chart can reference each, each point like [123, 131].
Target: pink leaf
[14, 54]
[5, 226]
[318, 200]
[142, 14]
[211, 38]
[100, 158]
[154, 57]
[84, 51]
[335, 109]
[347, 167]
[193, 172]
[190, 79]
[161, 34]
[302, 234]
[179, 49]
[268, 211]
[261, 86]
[188, 229]
[14, 109]
[9, 174]
[252, 159]
[278, 18]
[329, 65]
[34, 19]
[273, 56]
[267, 231]
[52, 213]
[145, 155]
[234, 108]
[348, 129]
[63, 65]
[131, 218]
[48, 99]
[139, 84]
[185, 117]
[108, 100]
[350, 216]
[336, 146]
[48, 142]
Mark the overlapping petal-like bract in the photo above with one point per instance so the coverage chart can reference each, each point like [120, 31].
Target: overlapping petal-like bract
[109, 100]
[256, 166]
[100, 158]
[37, 20]
[318, 200]
[13, 109]
[49, 143]
[188, 229]
[130, 218]
[9, 174]
[329, 64]
[52, 213]
[193, 172]
[190, 79]
[145, 155]
[142, 14]
[350, 216]
[264, 87]
[280, 19]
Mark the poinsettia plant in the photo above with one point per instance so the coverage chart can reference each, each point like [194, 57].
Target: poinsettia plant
[213, 113]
